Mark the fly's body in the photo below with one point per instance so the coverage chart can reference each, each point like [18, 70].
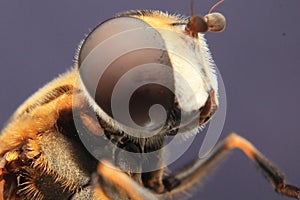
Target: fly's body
[72, 140]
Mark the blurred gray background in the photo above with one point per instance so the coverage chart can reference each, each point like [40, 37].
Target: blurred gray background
[257, 54]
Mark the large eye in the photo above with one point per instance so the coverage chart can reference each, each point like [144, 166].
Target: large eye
[136, 77]
[126, 71]
[197, 24]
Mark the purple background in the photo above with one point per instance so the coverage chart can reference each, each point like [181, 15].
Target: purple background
[257, 54]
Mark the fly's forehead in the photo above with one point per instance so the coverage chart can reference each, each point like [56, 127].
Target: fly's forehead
[132, 62]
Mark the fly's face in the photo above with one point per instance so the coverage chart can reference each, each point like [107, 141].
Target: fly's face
[144, 73]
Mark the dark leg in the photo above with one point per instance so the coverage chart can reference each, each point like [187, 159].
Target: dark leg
[191, 174]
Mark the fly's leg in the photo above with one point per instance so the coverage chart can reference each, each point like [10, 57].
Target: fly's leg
[191, 174]
[111, 183]
[7, 184]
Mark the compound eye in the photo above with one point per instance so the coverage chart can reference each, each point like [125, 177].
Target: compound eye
[126, 73]
[197, 24]
[132, 84]
[216, 22]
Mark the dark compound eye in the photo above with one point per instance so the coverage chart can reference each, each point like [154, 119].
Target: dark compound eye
[196, 24]
[132, 85]
[126, 71]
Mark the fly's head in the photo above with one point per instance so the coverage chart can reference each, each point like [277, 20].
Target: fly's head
[213, 21]
[144, 74]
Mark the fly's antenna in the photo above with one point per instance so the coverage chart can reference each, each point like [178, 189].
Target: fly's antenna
[215, 6]
[192, 7]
